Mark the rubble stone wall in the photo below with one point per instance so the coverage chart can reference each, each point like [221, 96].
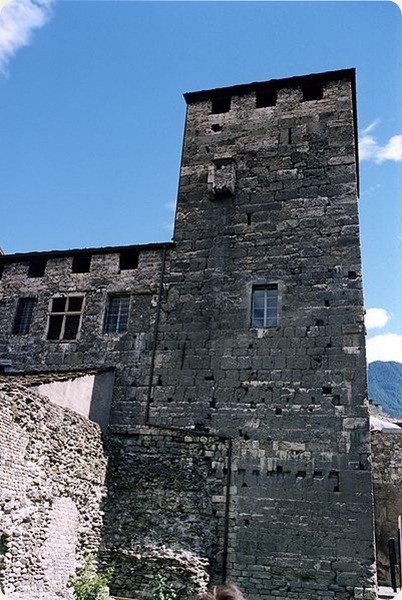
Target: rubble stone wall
[165, 510]
[52, 469]
[387, 476]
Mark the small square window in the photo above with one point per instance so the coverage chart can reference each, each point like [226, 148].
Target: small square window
[116, 316]
[23, 316]
[220, 105]
[265, 98]
[37, 268]
[81, 264]
[128, 259]
[312, 92]
[264, 311]
[65, 317]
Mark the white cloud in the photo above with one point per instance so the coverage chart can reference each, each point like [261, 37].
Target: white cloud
[376, 317]
[18, 19]
[370, 149]
[387, 346]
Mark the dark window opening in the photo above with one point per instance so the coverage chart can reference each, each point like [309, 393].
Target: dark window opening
[220, 105]
[289, 136]
[116, 316]
[312, 92]
[37, 268]
[278, 411]
[81, 264]
[266, 98]
[264, 312]
[23, 317]
[65, 317]
[216, 127]
[248, 218]
[326, 302]
[352, 275]
[327, 389]
[1, 271]
[128, 260]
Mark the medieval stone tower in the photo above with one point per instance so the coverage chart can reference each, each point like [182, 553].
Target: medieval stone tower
[261, 337]
[227, 368]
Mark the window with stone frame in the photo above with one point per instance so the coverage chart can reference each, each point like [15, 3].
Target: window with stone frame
[264, 309]
[23, 316]
[64, 319]
[116, 315]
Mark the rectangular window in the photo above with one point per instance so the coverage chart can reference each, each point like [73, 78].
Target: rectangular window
[220, 105]
[37, 268]
[266, 98]
[129, 259]
[116, 316]
[81, 263]
[65, 317]
[23, 316]
[264, 311]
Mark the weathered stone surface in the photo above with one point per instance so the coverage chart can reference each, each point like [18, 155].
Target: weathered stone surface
[52, 469]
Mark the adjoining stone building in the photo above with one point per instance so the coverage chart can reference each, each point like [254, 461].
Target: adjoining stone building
[238, 436]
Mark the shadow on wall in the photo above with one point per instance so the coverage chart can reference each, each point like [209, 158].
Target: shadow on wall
[164, 512]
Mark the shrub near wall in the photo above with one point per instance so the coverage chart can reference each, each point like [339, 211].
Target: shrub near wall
[52, 469]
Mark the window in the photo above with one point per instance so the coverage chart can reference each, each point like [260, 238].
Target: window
[23, 316]
[220, 105]
[312, 92]
[264, 311]
[265, 98]
[116, 316]
[65, 317]
[37, 268]
[128, 260]
[81, 263]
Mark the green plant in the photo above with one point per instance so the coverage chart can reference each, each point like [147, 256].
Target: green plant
[162, 590]
[88, 584]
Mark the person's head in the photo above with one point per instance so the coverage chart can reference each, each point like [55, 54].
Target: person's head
[228, 591]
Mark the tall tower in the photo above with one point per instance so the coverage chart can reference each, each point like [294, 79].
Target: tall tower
[261, 336]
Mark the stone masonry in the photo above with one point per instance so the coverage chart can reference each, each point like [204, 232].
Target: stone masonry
[239, 440]
[52, 470]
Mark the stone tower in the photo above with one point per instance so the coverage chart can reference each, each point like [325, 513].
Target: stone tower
[261, 332]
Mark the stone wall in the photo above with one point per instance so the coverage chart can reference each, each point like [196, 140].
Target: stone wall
[165, 510]
[387, 476]
[268, 196]
[52, 470]
[128, 351]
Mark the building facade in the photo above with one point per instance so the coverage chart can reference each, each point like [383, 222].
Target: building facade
[238, 353]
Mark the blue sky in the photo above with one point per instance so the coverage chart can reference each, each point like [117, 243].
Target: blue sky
[92, 117]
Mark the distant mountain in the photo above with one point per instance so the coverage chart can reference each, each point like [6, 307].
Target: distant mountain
[385, 386]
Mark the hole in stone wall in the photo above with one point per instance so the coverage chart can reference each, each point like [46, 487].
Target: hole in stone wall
[216, 127]
[252, 404]
[199, 426]
[37, 268]
[278, 411]
[81, 264]
[170, 399]
[289, 136]
[212, 403]
[248, 218]
[256, 472]
[313, 91]
[326, 303]
[220, 105]
[209, 378]
[319, 323]
[1, 271]
[129, 259]
[352, 275]
[246, 522]
[300, 474]
[317, 474]
[327, 389]
[279, 469]
[265, 98]
[244, 484]
[334, 478]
